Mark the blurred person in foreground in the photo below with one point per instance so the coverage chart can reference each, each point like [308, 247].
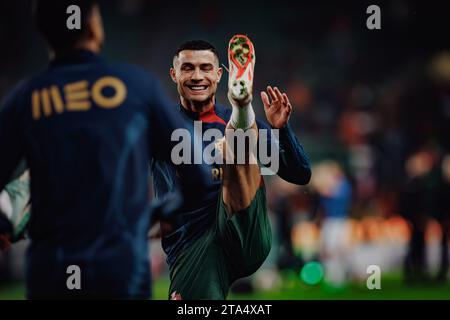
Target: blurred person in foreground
[87, 130]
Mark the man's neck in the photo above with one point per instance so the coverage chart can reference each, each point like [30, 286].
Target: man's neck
[93, 46]
[197, 106]
[86, 45]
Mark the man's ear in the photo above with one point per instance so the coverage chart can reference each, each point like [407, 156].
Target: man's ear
[95, 27]
[219, 74]
[173, 75]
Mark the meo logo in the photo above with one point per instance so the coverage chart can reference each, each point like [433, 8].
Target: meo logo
[76, 96]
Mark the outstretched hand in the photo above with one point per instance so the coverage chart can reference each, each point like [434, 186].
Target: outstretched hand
[278, 108]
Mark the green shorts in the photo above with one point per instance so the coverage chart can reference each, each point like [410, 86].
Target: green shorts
[232, 248]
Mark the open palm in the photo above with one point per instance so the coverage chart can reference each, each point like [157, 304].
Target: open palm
[277, 107]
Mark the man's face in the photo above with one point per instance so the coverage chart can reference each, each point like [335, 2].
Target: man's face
[196, 73]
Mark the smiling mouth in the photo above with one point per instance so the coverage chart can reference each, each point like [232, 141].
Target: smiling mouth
[197, 87]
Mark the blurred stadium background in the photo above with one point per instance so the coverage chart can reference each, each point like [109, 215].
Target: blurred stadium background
[372, 109]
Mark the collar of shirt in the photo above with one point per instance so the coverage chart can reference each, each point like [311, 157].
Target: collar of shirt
[216, 114]
[75, 57]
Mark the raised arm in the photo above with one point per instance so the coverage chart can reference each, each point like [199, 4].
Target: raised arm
[294, 165]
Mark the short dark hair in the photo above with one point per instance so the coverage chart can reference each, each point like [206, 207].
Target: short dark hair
[51, 16]
[197, 45]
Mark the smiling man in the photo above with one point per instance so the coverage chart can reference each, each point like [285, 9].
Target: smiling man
[197, 75]
[223, 234]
